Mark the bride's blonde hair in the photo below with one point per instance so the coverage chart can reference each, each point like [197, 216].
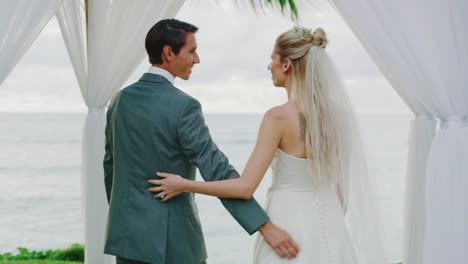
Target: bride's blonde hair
[331, 134]
[295, 45]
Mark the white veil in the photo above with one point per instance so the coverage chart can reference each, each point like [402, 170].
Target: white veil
[337, 152]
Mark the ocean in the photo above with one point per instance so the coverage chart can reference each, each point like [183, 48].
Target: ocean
[40, 181]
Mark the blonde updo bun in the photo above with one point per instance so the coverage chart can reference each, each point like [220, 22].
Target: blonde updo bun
[295, 43]
[319, 38]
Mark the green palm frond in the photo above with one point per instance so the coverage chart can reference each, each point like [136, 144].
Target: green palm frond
[283, 4]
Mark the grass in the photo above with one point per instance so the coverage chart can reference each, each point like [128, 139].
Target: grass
[71, 255]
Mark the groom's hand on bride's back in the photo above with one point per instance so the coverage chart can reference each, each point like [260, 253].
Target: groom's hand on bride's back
[281, 242]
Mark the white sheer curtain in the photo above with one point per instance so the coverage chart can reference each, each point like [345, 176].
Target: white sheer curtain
[420, 47]
[21, 21]
[103, 62]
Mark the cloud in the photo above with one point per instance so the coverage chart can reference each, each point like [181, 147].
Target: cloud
[374, 95]
[48, 50]
[237, 96]
[32, 88]
[235, 43]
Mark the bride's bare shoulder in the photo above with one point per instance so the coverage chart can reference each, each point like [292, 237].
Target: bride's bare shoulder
[282, 114]
[277, 112]
[285, 110]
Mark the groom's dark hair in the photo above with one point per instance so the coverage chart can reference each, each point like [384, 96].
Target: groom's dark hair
[167, 32]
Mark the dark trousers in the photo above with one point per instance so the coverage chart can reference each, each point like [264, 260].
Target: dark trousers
[120, 260]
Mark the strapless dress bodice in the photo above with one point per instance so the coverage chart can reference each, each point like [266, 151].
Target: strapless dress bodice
[292, 173]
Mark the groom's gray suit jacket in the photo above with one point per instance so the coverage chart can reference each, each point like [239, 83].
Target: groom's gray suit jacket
[153, 126]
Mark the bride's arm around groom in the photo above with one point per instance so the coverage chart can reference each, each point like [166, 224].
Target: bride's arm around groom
[200, 149]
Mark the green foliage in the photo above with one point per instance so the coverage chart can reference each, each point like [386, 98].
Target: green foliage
[73, 253]
[25, 254]
[46, 261]
[283, 4]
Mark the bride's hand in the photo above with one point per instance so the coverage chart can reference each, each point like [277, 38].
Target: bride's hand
[168, 186]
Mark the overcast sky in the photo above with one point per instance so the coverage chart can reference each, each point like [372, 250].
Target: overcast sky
[235, 44]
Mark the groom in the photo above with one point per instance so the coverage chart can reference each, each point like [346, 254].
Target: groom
[153, 126]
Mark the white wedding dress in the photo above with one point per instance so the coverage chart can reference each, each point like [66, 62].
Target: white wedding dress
[310, 213]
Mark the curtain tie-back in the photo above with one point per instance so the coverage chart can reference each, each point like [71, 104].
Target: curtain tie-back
[454, 122]
[95, 109]
[424, 116]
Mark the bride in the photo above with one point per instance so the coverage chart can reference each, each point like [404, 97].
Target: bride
[312, 144]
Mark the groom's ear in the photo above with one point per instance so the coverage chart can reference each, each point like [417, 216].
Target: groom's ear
[167, 53]
[286, 65]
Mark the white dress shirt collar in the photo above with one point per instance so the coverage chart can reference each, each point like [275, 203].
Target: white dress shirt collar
[162, 72]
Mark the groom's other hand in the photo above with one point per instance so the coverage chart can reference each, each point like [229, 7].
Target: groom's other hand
[279, 240]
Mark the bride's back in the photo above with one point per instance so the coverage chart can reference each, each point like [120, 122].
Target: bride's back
[291, 142]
